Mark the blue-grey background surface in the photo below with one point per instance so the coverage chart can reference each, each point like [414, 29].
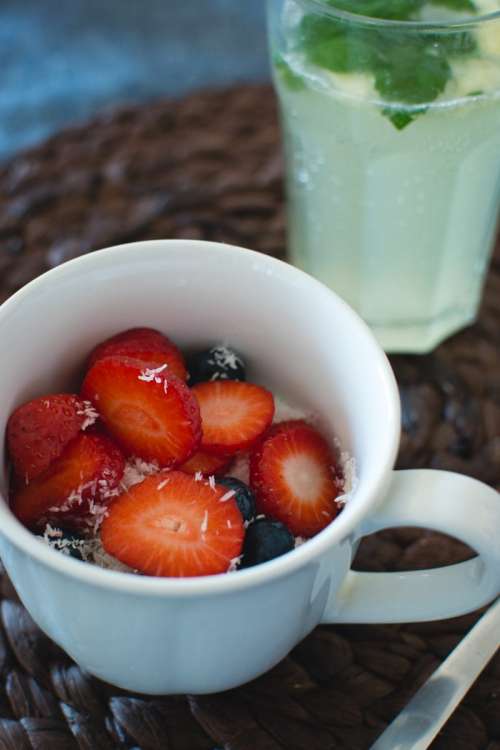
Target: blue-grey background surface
[63, 60]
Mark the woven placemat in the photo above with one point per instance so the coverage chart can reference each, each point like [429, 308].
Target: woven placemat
[209, 167]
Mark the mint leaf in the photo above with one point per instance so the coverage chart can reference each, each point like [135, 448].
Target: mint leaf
[400, 118]
[336, 46]
[412, 71]
[408, 68]
[289, 78]
[412, 74]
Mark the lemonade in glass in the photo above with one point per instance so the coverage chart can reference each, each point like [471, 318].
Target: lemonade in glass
[391, 121]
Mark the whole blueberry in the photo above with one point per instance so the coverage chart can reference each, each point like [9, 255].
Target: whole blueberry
[65, 541]
[218, 363]
[266, 539]
[245, 499]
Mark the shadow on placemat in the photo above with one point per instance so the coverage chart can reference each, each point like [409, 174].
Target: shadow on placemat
[209, 167]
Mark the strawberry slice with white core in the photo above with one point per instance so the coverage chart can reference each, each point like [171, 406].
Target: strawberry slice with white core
[174, 525]
[292, 472]
[151, 413]
[234, 415]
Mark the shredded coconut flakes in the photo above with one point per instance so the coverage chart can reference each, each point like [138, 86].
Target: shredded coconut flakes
[150, 375]
[284, 412]
[99, 556]
[349, 480]
[229, 494]
[51, 533]
[90, 414]
[96, 512]
[90, 549]
[136, 470]
[234, 563]
[225, 358]
[54, 538]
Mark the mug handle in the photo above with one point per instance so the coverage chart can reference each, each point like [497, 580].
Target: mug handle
[446, 502]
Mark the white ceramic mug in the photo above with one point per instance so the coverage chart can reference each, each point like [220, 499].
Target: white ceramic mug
[209, 634]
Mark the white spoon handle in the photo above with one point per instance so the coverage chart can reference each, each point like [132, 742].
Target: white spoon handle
[418, 723]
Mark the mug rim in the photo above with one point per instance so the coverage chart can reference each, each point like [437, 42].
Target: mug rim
[341, 528]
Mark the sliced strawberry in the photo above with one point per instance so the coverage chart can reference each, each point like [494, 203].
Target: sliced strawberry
[206, 464]
[292, 473]
[75, 487]
[39, 431]
[233, 414]
[145, 344]
[172, 525]
[150, 413]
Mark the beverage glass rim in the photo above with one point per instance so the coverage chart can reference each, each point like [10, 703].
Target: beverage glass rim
[326, 8]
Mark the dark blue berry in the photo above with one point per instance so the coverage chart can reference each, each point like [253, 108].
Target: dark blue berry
[265, 539]
[245, 499]
[218, 363]
[68, 542]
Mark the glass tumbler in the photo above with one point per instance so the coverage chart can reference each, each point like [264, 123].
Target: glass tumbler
[391, 123]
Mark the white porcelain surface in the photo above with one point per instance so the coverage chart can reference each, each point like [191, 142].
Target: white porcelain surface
[209, 634]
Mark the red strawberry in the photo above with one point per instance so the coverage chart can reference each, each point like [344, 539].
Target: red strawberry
[39, 431]
[145, 344]
[172, 525]
[233, 415]
[293, 477]
[86, 475]
[206, 464]
[151, 413]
